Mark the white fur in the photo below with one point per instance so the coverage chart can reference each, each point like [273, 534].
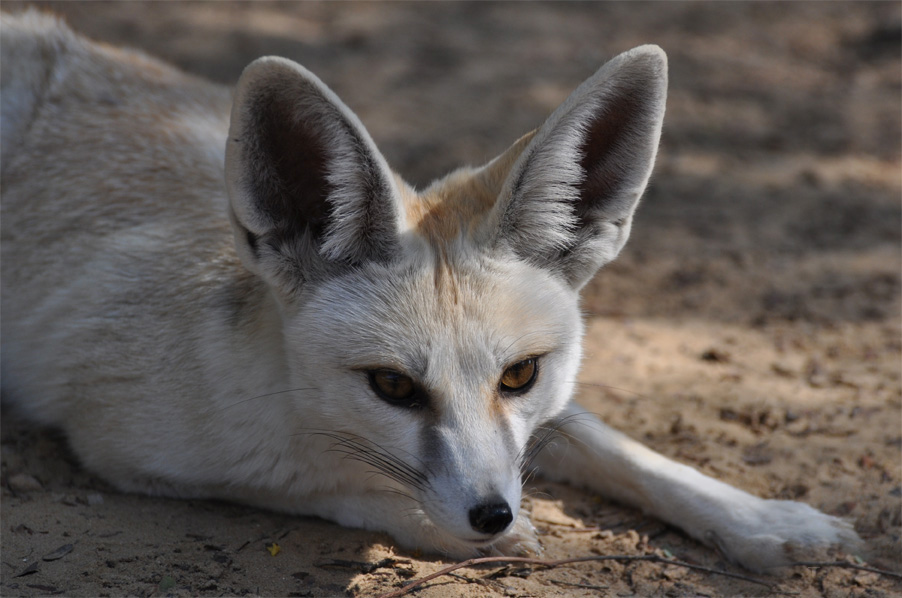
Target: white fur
[193, 343]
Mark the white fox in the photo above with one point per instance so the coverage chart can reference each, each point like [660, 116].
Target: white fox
[250, 305]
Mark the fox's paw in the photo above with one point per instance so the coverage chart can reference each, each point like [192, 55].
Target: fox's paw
[521, 540]
[778, 533]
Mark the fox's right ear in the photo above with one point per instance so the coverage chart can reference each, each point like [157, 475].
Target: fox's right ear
[307, 186]
[568, 201]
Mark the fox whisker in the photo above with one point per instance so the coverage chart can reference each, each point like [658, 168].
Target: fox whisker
[384, 461]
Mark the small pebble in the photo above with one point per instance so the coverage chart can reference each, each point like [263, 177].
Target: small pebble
[22, 482]
[59, 552]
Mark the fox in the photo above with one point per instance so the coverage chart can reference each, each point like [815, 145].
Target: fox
[229, 294]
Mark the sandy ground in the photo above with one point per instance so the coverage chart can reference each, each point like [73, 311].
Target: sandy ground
[751, 327]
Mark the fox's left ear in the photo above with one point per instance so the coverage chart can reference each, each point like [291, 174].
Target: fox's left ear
[308, 189]
[568, 202]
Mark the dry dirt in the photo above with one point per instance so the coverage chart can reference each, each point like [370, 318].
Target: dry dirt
[751, 327]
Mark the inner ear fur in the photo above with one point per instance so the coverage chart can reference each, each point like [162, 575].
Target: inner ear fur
[569, 200]
[287, 156]
[307, 185]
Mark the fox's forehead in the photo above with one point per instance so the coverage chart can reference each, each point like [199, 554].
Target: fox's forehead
[449, 208]
[491, 312]
[452, 206]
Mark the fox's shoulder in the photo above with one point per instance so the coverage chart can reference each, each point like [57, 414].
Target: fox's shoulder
[31, 44]
[39, 49]
[43, 60]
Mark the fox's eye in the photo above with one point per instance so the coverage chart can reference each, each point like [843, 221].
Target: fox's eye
[394, 387]
[520, 376]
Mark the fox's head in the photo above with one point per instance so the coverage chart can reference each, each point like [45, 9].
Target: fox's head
[440, 328]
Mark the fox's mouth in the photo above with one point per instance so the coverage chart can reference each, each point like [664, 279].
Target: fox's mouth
[483, 542]
[479, 545]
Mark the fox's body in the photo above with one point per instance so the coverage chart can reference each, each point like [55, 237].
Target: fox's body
[108, 120]
[254, 307]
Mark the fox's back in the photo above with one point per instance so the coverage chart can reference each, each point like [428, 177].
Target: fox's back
[113, 199]
[135, 144]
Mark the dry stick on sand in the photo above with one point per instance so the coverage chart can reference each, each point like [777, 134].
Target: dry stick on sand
[653, 558]
[847, 565]
[556, 563]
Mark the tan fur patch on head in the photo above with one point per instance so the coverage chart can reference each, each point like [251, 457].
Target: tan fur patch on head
[445, 281]
[454, 205]
[445, 210]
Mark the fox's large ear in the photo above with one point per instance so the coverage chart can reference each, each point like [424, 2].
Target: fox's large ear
[307, 186]
[568, 202]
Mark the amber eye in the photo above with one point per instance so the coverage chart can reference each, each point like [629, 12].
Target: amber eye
[394, 387]
[520, 376]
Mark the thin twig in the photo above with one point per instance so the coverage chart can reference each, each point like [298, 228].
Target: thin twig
[556, 563]
[585, 586]
[848, 565]
[486, 583]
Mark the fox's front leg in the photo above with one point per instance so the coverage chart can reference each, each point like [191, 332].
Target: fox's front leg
[756, 533]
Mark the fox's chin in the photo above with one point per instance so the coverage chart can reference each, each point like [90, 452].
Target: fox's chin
[468, 547]
[463, 548]
[485, 543]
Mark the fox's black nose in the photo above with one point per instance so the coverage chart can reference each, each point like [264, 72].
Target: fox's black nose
[491, 518]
